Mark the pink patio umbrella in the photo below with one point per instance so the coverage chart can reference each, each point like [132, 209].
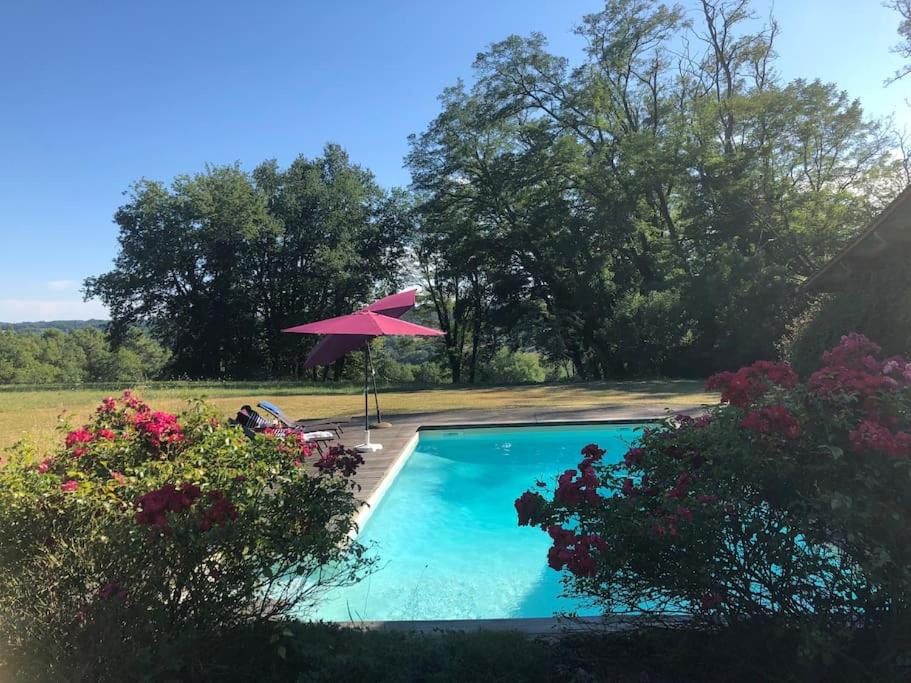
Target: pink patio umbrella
[361, 327]
[333, 346]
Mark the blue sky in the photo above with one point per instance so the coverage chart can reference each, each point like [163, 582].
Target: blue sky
[95, 95]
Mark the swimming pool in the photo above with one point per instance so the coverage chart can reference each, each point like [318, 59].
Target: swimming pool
[446, 534]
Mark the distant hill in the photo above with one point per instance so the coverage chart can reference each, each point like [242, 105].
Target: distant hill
[64, 325]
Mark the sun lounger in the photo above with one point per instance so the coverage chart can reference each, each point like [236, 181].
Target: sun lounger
[286, 421]
[253, 423]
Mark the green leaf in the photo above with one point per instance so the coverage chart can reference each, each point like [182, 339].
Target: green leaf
[835, 451]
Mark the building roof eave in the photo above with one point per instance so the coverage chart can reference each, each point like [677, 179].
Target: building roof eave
[892, 225]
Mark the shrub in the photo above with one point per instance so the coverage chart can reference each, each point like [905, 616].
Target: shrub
[148, 537]
[784, 508]
[327, 653]
[656, 320]
[429, 373]
[513, 367]
[875, 301]
[393, 372]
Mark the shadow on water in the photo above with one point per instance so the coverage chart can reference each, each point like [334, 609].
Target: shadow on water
[540, 600]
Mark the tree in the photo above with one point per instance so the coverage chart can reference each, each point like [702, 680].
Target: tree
[81, 355]
[181, 269]
[903, 48]
[655, 208]
[340, 239]
[219, 262]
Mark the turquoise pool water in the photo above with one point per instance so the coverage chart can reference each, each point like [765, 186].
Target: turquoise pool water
[446, 533]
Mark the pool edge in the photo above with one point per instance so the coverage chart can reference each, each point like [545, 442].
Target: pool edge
[389, 476]
[537, 626]
[538, 423]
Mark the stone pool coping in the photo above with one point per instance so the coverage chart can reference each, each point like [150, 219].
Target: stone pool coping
[540, 627]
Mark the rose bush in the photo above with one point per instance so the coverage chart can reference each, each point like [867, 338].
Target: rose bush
[786, 507]
[141, 544]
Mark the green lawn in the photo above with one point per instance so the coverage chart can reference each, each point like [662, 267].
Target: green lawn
[33, 411]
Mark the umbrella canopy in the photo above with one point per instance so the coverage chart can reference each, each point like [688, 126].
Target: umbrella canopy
[334, 346]
[394, 305]
[365, 324]
[346, 332]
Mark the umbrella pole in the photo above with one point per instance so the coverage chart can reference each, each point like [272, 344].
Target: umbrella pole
[367, 389]
[376, 397]
[367, 447]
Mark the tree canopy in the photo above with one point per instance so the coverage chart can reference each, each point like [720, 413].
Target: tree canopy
[80, 355]
[651, 210]
[219, 262]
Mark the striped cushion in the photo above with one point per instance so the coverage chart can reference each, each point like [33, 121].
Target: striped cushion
[257, 422]
[250, 419]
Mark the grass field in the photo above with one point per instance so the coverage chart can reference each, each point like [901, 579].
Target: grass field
[33, 411]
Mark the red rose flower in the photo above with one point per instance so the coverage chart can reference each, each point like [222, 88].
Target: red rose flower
[854, 351]
[572, 490]
[76, 437]
[108, 405]
[593, 452]
[628, 489]
[158, 428]
[339, 460]
[154, 505]
[833, 382]
[873, 437]
[750, 383]
[634, 457]
[772, 420]
[220, 511]
[574, 552]
[682, 486]
[529, 507]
